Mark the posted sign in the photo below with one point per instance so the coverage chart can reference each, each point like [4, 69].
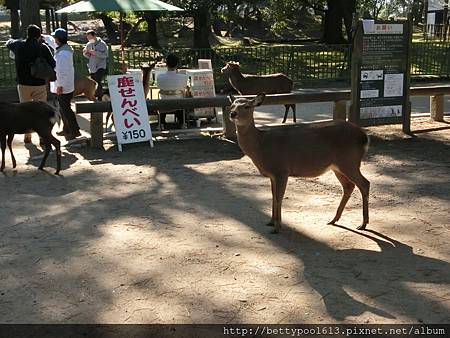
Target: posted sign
[381, 73]
[202, 85]
[130, 109]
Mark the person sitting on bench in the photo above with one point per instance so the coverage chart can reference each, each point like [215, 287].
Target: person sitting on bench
[172, 85]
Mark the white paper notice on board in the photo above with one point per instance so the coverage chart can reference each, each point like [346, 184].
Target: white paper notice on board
[386, 28]
[369, 26]
[393, 85]
[368, 94]
[371, 75]
[130, 109]
[380, 112]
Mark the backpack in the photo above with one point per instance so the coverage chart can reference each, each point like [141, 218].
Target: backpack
[40, 68]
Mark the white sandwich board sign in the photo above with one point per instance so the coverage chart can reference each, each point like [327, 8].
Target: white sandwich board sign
[130, 109]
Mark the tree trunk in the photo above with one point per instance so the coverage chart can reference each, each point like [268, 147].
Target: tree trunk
[29, 14]
[64, 20]
[202, 27]
[48, 27]
[15, 24]
[152, 29]
[111, 28]
[337, 12]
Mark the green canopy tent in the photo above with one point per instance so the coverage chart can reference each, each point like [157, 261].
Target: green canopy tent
[121, 6]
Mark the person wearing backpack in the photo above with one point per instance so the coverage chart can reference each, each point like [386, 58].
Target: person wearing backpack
[64, 85]
[26, 53]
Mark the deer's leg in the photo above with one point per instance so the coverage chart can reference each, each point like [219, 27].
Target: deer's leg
[47, 146]
[363, 185]
[294, 112]
[280, 188]
[9, 142]
[348, 187]
[272, 220]
[286, 112]
[3, 146]
[57, 144]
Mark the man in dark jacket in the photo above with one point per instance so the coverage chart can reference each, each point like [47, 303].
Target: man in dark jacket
[25, 53]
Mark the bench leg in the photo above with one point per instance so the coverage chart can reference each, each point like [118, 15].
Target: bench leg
[437, 107]
[340, 110]
[228, 127]
[96, 130]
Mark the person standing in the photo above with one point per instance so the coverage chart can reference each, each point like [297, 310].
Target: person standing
[25, 53]
[96, 51]
[64, 85]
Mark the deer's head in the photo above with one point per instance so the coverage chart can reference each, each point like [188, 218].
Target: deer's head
[230, 67]
[242, 109]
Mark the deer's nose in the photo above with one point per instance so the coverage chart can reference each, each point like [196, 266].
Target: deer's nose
[233, 114]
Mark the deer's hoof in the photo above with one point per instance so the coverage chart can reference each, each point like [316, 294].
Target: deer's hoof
[362, 227]
[41, 168]
[333, 222]
[270, 224]
[57, 173]
[275, 231]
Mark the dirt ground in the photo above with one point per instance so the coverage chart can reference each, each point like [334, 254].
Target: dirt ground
[176, 234]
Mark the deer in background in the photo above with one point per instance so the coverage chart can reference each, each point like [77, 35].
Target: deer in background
[85, 86]
[303, 150]
[246, 84]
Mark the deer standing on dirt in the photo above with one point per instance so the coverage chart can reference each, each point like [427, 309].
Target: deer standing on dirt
[246, 84]
[21, 118]
[304, 150]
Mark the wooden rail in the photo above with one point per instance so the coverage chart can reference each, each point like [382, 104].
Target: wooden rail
[338, 96]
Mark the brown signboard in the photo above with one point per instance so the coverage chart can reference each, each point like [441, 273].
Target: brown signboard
[381, 73]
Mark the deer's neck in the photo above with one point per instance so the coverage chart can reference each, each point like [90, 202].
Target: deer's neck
[236, 79]
[249, 138]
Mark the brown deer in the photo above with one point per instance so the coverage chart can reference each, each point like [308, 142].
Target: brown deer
[247, 84]
[303, 150]
[85, 86]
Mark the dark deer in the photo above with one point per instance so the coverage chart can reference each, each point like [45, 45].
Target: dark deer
[27, 117]
[303, 150]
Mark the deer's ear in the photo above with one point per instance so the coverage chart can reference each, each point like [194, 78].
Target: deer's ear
[231, 98]
[259, 99]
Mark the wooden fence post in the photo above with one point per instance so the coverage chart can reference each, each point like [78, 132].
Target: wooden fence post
[229, 129]
[437, 107]
[340, 110]
[96, 130]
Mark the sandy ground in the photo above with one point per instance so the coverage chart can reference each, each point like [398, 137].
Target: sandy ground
[176, 234]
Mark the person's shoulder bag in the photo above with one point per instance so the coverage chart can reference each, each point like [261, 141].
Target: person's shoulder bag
[40, 68]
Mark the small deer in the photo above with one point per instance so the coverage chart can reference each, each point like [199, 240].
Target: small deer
[303, 150]
[246, 84]
[27, 117]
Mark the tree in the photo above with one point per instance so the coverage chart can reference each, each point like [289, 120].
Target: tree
[29, 14]
[200, 10]
[13, 6]
[338, 11]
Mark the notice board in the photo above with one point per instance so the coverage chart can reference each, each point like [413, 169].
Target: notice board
[202, 85]
[129, 108]
[381, 73]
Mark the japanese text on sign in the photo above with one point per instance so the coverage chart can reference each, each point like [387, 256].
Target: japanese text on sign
[129, 108]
